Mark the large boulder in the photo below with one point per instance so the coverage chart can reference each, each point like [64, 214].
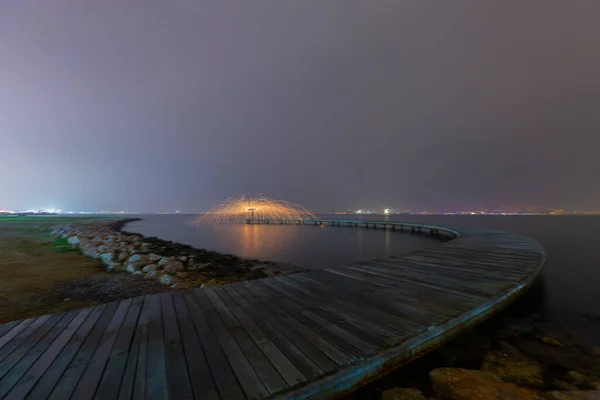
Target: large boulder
[464, 384]
[402, 394]
[173, 267]
[514, 368]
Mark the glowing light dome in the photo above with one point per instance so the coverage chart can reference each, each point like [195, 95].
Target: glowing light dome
[242, 209]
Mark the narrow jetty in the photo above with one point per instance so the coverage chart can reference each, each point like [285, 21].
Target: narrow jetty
[311, 335]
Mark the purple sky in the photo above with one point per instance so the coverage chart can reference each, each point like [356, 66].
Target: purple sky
[164, 105]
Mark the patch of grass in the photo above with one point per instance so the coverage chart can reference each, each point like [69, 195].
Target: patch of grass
[31, 262]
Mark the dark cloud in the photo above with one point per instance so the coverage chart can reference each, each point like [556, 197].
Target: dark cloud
[156, 105]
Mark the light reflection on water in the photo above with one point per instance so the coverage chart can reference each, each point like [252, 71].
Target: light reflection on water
[306, 246]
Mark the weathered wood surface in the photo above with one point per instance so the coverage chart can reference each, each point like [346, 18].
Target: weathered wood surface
[315, 334]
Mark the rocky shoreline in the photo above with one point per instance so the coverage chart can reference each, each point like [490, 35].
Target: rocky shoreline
[174, 265]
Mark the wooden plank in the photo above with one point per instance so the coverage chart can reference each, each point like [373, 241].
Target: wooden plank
[54, 372]
[270, 377]
[393, 301]
[202, 381]
[286, 340]
[245, 373]
[93, 372]
[398, 325]
[115, 366]
[406, 291]
[67, 383]
[179, 380]
[339, 321]
[395, 279]
[15, 356]
[157, 384]
[126, 389]
[330, 350]
[450, 269]
[29, 380]
[329, 307]
[284, 366]
[439, 283]
[224, 378]
[30, 356]
[6, 327]
[19, 334]
[137, 380]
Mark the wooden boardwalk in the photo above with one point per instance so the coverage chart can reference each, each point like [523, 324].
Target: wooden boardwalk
[310, 335]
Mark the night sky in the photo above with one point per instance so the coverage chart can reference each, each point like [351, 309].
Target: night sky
[175, 105]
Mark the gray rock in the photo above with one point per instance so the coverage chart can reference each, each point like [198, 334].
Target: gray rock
[90, 251]
[154, 274]
[167, 280]
[106, 257]
[73, 241]
[183, 259]
[165, 260]
[136, 258]
[131, 268]
[112, 266]
[174, 266]
[154, 257]
[150, 267]
[402, 394]
[138, 272]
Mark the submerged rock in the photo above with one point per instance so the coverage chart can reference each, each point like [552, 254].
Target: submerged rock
[578, 395]
[514, 368]
[463, 384]
[402, 394]
[550, 341]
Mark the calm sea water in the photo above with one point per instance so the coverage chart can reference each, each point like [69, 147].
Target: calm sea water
[309, 247]
[570, 281]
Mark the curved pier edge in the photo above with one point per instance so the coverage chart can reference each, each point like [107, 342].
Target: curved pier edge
[354, 377]
[423, 299]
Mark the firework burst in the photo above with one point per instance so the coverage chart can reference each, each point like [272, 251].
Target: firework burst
[243, 209]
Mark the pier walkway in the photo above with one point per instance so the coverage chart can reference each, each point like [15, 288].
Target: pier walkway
[315, 334]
